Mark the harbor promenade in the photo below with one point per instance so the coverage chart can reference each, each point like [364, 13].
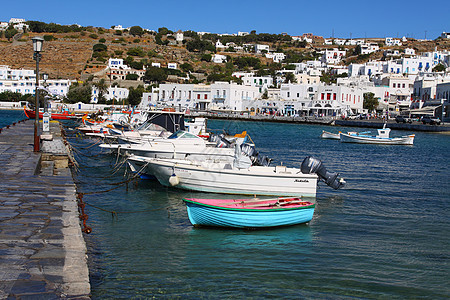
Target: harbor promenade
[42, 250]
[327, 121]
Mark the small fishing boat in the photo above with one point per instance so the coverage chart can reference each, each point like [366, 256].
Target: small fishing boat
[330, 135]
[64, 115]
[381, 138]
[249, 213]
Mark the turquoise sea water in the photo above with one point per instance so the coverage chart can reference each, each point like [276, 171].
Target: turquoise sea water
[385, 235]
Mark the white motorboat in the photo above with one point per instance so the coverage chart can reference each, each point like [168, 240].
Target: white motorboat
[239, 177]
[330, 135]
[381, 138]
[179, 145]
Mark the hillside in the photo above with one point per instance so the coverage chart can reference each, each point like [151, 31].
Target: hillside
[70, 55]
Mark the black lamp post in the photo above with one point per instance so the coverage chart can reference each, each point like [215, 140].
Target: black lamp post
[37, 47]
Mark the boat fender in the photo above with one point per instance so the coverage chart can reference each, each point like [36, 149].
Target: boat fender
[174, 180]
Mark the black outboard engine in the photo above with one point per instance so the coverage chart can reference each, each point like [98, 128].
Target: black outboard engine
[312, 165]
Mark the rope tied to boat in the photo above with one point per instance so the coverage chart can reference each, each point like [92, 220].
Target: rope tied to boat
[83, 216]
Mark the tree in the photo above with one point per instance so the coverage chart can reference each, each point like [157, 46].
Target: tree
[136, 31]
[132, 77]
[10, 32]
[200, 46]
[186, 67]
[290, 77]
[439, 68]
[370, 102]
[102, 89]
[155, 74]
[79, 94]
[135, 95]
[99, 48]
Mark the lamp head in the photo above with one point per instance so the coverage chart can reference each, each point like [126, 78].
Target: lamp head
[37, 43]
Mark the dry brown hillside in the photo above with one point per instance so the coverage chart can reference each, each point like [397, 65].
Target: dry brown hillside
[70, 55]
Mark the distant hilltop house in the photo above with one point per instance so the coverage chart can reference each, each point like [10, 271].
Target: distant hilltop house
[118, 27]
[445, 35]
[179, 36]
[369, 48]
[218, 58]
[16, 23]
[392, 42]
[276, 57]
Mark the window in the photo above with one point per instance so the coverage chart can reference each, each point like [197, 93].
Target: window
[206, 96]
[288, 94]
[298, 95]
[322, 95]
[334, 96]
[198, 96]
[403, 86]
[328, 96]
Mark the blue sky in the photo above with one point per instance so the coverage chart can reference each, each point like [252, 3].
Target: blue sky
[356, 19]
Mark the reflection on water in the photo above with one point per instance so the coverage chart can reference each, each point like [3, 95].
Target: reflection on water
[385, 235]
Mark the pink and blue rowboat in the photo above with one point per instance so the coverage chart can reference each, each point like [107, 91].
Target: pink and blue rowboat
[249, 213]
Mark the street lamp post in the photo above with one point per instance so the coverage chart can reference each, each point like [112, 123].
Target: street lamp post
[37, 48]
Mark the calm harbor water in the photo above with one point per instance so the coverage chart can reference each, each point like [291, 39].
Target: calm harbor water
[385, 235]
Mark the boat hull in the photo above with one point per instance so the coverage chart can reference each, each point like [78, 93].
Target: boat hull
[256, 180]
[55, 116]
[204, 215]
[329, 135]
[348, 138]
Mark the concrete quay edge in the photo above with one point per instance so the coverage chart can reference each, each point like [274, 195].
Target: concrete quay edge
[42, 250]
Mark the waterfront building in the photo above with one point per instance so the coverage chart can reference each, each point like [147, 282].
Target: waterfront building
[115, 94]
[249, 79]
[23, 81]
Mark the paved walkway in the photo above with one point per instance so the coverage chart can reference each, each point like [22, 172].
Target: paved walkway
[42, 250]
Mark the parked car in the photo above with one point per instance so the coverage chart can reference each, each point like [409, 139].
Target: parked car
[431, 120]
[403, 119]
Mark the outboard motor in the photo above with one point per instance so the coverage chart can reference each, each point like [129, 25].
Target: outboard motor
[312, 165]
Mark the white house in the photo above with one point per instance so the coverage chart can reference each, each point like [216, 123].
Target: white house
[332, 56]
[172, 66]
[179, 37]
[116, 94]
[155, 64]
[24, 82]
[259, 48]
[276, 57]
[219, 58]
[118, 27]
[445, 35]
[16, 21]
[392, 42]
[369, 48]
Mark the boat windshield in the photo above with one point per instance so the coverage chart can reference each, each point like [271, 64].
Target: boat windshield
[183, 135]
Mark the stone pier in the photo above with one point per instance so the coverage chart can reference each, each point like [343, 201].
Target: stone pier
[42, 250]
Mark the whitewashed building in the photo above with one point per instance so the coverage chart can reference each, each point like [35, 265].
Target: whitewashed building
[389, 41]
[276, 57]
[23, 81]
[259, 48]
[219, 58]
[113, 93]
[332, 56]
[369, 48]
